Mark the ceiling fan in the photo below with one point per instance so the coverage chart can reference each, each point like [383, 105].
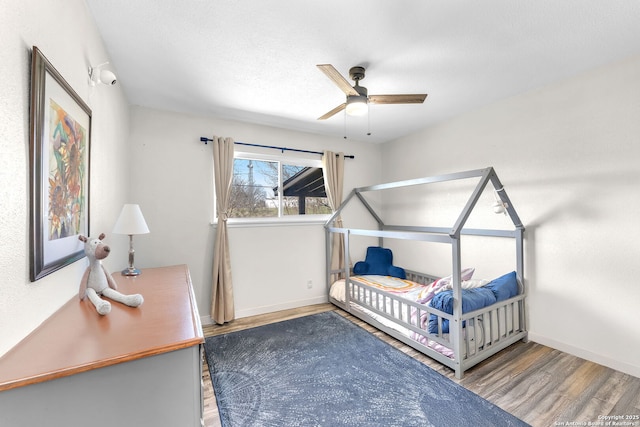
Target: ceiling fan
[357, 96]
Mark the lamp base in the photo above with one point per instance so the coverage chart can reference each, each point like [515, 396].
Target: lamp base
[131, 272]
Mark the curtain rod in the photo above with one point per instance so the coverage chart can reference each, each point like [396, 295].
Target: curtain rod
[206, 140]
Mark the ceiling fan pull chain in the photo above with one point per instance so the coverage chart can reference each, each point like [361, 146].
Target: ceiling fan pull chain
[345, 125]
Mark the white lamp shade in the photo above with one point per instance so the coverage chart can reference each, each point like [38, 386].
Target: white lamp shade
[131, 221]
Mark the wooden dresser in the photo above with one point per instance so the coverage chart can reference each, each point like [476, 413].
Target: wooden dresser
[133, 367]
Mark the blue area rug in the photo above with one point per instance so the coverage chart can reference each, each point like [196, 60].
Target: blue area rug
[322, 370]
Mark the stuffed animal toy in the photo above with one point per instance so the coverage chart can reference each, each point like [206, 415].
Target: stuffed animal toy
[97, 281]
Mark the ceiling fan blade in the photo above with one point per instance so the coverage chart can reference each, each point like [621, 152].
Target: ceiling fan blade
[397, 99]
[334, 111]
[337, 78]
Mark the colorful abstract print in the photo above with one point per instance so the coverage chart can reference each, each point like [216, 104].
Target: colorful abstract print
[67, 169]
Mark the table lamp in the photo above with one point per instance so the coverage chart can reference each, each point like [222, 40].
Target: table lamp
[131, 222]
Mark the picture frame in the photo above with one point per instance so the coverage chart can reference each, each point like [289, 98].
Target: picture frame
[59, 156]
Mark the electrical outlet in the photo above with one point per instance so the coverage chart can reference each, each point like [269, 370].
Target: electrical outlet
[309, 284]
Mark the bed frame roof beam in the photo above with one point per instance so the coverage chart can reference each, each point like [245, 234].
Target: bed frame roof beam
[468, 208]
[425, 180]
[337, 212]
[486, 175]
[366, 204]
[497, 185]
[370, 209]
[407, 235]
[445, 230]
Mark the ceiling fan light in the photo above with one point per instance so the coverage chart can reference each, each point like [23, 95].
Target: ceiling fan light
[357, 105]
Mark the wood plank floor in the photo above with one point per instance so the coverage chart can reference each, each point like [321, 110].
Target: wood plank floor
[540, 385]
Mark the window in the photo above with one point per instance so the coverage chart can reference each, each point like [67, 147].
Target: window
[273, 187]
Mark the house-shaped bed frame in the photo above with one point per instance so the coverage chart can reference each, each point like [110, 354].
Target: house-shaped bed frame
[473, 336]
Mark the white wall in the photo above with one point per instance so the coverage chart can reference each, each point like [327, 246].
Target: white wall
[568, 156]
[172, 180]
[66, 34]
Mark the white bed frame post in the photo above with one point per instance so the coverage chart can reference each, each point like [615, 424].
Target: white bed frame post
[328, 254]
[347, 269]
[456, 327]
[520, 275]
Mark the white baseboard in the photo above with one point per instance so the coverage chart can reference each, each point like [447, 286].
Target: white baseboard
[206, 320]
[254, 311]
[587, 355]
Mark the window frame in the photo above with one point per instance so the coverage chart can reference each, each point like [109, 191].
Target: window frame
[280, 219]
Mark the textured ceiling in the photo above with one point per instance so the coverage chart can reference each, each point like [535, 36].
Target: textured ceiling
[255, 61]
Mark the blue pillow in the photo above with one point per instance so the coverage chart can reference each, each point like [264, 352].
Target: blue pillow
[504, 287]
[379, 261]
[472, 299]
[360, 268]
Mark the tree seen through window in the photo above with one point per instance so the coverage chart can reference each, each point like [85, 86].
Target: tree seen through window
[255, 189]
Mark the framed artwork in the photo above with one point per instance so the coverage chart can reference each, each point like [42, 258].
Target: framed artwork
[60, 141]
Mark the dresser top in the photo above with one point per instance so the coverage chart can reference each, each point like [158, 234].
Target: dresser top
[77, 339]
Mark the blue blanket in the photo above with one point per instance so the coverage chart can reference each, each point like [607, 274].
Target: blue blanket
[502, 288]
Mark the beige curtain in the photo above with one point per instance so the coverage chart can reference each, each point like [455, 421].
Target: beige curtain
[222, 309]
[333, 171]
